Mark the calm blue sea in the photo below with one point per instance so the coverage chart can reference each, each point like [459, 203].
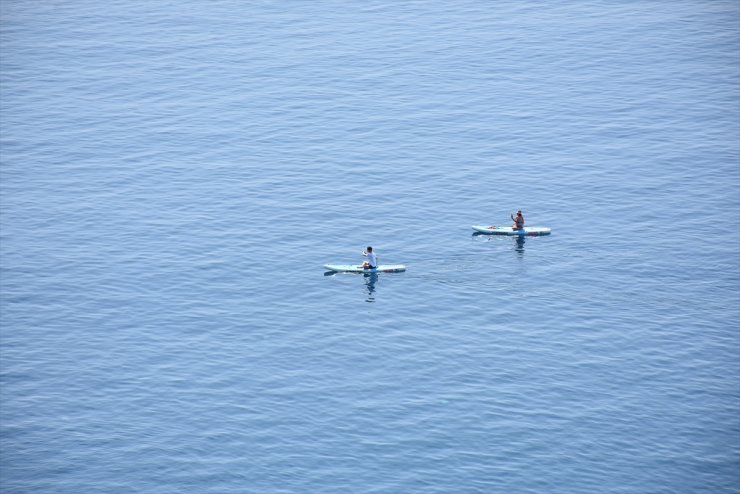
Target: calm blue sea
[175, 174]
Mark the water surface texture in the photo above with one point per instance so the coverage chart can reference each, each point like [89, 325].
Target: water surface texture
[174, 175]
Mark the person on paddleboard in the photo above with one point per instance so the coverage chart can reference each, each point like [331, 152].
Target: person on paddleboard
[372, 259]
[518, 221]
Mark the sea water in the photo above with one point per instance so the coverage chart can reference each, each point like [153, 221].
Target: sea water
[174, 175]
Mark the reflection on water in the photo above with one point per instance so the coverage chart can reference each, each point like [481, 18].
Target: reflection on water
[370, 280]
[519, 244]
[518, 239]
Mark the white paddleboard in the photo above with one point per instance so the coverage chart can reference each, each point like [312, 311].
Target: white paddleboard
[354, 268]
[529, 231]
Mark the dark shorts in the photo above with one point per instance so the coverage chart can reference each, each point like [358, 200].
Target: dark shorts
[370, 267]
